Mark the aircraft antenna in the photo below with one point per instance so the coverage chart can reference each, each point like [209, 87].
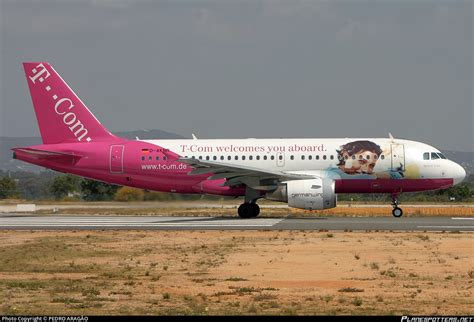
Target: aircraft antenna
[391, 137]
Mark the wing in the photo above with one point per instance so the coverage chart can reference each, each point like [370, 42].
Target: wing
[255, 178]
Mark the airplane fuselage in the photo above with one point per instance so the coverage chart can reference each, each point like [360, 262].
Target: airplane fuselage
[154, 165]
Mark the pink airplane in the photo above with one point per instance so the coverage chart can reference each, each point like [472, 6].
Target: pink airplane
[305, 173]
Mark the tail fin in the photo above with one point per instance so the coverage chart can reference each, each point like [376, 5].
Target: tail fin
[62, 116]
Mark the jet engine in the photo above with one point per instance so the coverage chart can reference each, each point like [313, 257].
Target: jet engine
[310, 194]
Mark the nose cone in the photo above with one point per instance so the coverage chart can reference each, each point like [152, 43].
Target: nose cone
[458, 173]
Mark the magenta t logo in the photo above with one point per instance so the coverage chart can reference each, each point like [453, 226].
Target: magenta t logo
[37, 72]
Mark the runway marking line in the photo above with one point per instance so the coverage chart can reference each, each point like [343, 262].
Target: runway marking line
[132, 222]
[448, 227]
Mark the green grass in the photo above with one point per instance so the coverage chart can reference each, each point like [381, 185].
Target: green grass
[236, 279]
[350, 290]
[50, 254]
[26, 284]
[374, 266]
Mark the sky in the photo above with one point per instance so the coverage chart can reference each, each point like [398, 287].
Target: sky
[250, 68]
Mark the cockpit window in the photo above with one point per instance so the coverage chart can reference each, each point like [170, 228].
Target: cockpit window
[434, 156]
[441, 155]
[426, 156]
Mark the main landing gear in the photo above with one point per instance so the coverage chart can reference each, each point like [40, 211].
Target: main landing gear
[397, 211]
[250, 209]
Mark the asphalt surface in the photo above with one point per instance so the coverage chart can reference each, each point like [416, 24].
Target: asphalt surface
[77, 222]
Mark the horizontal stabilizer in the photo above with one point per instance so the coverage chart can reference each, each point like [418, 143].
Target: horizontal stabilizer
[46, 155]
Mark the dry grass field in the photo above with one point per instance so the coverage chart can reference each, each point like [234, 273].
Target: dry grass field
[408, 211]
[235, 272]
[228, 208]
[431, 211]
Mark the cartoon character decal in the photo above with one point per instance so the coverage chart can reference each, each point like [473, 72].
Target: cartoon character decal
[358, 159]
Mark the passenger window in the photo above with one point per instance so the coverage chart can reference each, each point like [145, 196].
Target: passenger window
[236, 157]
[165, 158]
[317, 157]
[229, 157]
[150, 158]
[292, 157]
[324, 157]
[426, 156]
[272, 157]
[382, 157]
[243, 157]
[250, 157]
[207, 158]
[434, 156]
[200, 157]
[332, 157]
[310, 157]
[264, 157]
[302, 157]
[375, 157]
[214, 158]
[222, 157]
[143, 158]
[280, 157]
[258, 157]
[353, 157]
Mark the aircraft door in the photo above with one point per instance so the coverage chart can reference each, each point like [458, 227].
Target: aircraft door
[398, 157]
[116, 158]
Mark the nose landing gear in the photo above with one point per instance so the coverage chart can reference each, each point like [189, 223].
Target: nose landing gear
[397, 211]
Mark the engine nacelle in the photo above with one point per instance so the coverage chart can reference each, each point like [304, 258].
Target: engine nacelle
[310, 194]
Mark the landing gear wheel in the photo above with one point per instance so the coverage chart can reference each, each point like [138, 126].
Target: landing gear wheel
[397, 212]
[255, 209]
[248, 210]
[245, 210]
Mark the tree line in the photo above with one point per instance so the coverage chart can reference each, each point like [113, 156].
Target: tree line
[50, 185]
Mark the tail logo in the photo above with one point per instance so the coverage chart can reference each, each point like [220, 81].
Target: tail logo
[62, 107]
[37, 72]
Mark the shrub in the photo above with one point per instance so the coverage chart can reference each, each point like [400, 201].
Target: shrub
[129, 194]
[8, 188]
[157, 196]
[357, 301]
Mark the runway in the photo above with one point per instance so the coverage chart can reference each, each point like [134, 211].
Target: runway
[72, 222]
